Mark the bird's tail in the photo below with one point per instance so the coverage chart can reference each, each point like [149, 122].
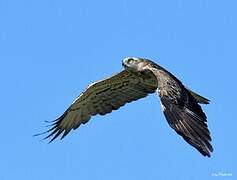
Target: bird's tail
[200, 99]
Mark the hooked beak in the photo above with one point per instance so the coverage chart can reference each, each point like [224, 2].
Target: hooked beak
[123, 64]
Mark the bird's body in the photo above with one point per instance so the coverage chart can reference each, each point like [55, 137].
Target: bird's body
[140, 78]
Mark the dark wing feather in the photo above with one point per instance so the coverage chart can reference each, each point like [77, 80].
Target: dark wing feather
[102, 97]
[186, 117]
[182, 111]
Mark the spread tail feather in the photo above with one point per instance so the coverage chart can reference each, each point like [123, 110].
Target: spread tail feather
[200, 99]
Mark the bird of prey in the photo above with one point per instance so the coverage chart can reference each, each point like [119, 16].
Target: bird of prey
[139, 78]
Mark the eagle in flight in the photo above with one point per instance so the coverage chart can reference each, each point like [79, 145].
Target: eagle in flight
[139, 78]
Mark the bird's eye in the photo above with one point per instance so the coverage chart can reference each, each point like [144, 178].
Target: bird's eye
[130, 61]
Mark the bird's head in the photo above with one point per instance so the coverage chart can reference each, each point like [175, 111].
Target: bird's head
[134, 63]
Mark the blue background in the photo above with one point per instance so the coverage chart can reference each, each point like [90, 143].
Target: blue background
[50, 50]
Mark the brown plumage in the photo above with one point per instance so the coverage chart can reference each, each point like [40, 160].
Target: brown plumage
[140, 78]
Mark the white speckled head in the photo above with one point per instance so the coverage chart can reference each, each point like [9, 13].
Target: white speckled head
[131, 62]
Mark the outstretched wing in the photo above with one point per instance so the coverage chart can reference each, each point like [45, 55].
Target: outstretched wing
[102, 97]
[183, 112]
[186, 117]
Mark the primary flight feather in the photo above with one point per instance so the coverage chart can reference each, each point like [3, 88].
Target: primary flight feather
[139, 78]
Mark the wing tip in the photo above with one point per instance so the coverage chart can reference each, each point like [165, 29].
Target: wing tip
[55, 129]
[206, 152]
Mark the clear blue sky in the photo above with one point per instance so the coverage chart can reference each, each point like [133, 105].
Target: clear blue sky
[50, 50]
